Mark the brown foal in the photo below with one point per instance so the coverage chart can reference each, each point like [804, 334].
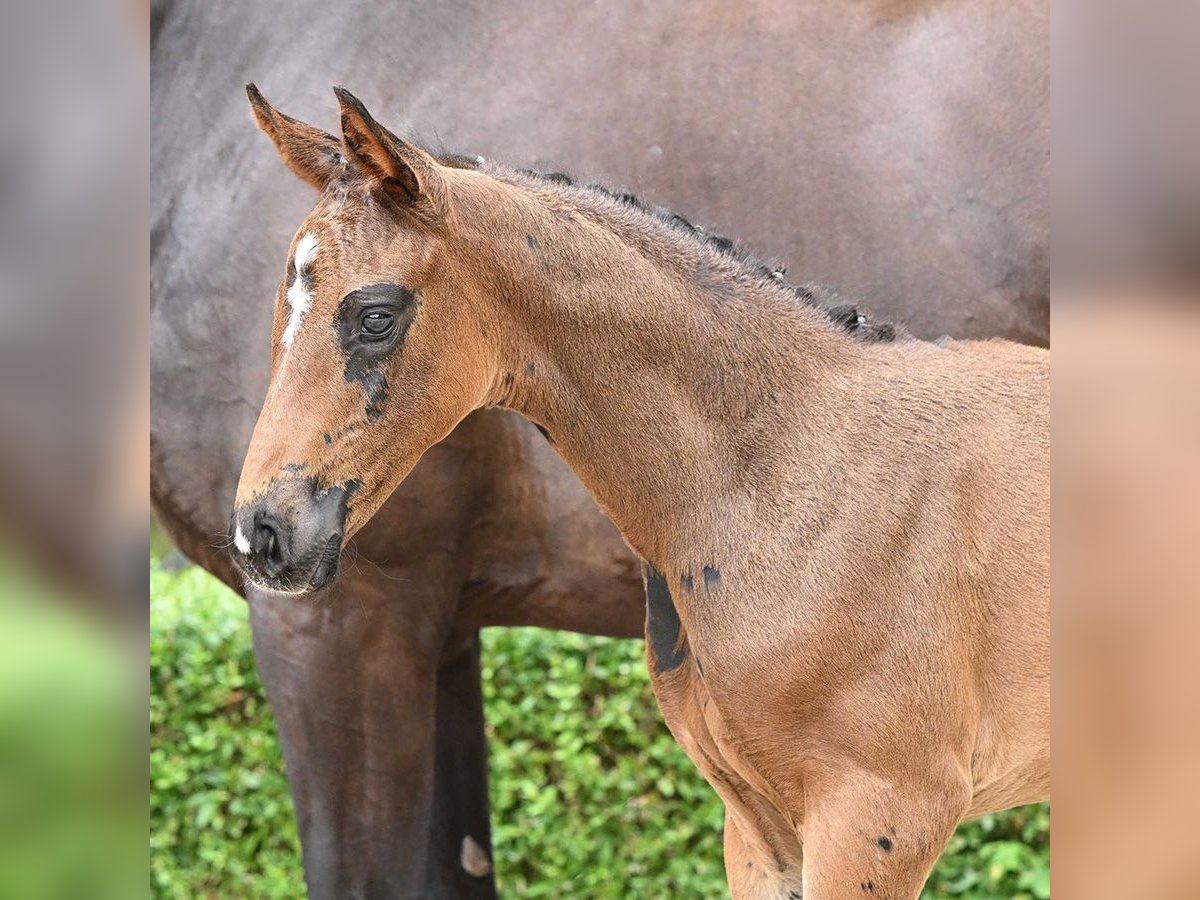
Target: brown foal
[846, 532]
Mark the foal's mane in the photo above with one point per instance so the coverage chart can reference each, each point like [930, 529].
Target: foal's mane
[844, 315]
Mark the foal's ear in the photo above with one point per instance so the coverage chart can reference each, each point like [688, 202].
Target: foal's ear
[316, 157]
[408, 173]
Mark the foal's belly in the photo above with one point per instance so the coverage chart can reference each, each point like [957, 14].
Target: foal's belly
[729, 739]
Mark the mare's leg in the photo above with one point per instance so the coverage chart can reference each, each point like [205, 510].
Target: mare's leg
[357, 690]
[869, 839]
[461, 827]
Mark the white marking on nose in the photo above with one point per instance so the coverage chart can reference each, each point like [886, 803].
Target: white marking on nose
[298, 298]
[240, 541]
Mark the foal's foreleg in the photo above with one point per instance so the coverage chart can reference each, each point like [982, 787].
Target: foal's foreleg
[874, 840]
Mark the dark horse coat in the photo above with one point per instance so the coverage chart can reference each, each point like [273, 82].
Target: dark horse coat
[897, 150]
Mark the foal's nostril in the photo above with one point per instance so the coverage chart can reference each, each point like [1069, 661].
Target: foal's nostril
[270, 543]
[267, 544]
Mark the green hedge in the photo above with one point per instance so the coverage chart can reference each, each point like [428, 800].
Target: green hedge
[590, 795]
[221, 821]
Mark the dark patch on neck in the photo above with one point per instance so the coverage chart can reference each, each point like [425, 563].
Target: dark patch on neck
[533, 243]
[663, 627]
[295, 468]
[712, 576]
[328, 438]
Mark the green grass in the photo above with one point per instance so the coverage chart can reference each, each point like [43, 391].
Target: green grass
[590, 795]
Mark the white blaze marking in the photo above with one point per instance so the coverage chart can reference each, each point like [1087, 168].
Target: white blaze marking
[306, 249]
[240, 541]
[298, 298]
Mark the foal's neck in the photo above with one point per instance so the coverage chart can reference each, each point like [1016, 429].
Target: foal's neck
[670, 377]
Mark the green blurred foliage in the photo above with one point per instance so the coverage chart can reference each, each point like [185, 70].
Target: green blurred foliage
[72, 818]
[591, 797]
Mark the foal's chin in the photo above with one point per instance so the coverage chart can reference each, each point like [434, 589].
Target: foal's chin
[307, 577]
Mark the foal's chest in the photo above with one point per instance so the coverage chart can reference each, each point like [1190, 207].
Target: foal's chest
[708, 728]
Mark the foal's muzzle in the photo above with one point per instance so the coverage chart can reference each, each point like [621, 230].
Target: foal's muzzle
[290, 538]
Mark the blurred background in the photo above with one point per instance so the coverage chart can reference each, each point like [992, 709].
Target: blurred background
[73, 453]
[75, 646]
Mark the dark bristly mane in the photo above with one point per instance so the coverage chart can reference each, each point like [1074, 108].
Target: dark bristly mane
[845, 315]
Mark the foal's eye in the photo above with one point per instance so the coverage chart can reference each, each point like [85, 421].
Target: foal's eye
[377, 323]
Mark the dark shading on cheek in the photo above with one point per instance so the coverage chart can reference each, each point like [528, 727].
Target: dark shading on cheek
[367, 358]
[330, 502]
[375, 386]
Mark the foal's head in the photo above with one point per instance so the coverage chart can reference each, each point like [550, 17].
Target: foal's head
[376, 354]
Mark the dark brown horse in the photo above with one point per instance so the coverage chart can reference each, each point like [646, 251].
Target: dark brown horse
[823, 112]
